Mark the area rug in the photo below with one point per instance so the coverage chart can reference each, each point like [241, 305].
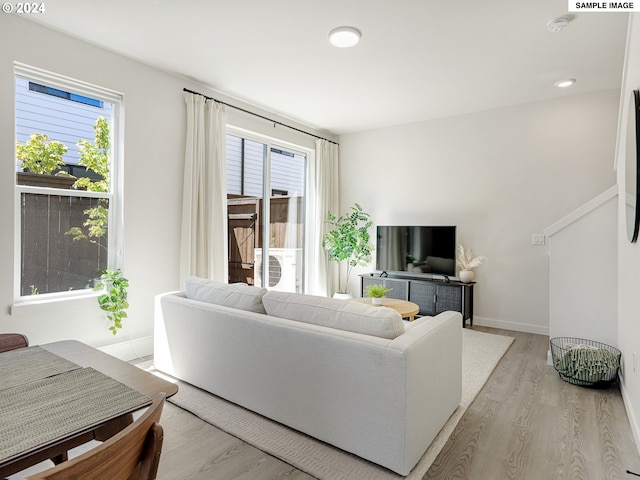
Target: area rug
[481, 352]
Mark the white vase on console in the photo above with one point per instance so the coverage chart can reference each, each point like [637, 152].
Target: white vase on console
[466, 276]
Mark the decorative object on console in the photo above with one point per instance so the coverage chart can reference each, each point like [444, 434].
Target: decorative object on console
[113, 300]
[376, 293]
[348, 241]
[466, 262]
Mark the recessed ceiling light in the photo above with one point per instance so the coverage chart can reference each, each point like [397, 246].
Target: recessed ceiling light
[344, 37]
[565, 83]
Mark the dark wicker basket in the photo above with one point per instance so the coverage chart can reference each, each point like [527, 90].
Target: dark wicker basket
[569, 355]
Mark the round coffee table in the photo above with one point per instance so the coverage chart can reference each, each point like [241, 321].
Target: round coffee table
[404, 308]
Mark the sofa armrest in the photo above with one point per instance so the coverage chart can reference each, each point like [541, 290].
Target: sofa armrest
[433, 369]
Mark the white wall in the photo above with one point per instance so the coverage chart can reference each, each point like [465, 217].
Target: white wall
[500, 176]
[629, 254]
[583, 259]
[154, 111]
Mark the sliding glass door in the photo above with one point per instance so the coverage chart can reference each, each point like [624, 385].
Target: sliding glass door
[266, 204]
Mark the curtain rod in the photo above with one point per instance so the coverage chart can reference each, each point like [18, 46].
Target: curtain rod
[260, 116]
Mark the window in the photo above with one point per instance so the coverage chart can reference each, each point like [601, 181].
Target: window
[67, 95]
[67, 178]
[256, 166]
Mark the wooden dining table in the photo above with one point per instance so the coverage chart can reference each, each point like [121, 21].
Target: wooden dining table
[57, 396]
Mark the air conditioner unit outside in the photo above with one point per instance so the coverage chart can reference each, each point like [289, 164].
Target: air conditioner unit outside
[285, 269]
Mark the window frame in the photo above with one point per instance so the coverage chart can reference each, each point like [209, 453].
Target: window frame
[114, 196]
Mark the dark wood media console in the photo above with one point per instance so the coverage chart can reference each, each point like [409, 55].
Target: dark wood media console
[433, 296]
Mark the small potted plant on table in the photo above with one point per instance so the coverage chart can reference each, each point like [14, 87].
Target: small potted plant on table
[376, 293]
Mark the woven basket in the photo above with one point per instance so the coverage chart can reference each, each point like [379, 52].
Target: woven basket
[585, 362]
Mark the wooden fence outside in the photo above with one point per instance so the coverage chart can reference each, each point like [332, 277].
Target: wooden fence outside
[245, 230]
[50, 260]
[53, 262]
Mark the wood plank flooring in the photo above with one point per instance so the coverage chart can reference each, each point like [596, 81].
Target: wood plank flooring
[526, 423]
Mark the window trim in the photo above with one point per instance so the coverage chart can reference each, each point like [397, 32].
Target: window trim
[115, 196]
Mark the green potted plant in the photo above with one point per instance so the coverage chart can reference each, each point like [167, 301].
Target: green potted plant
[466, 262]
[376, 293]
[348, 242]
[113, 300]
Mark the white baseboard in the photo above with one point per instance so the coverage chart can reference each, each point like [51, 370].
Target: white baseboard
[130, 349]
[631, 414]
[515, 326]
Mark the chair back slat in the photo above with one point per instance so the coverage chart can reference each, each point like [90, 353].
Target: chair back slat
[132, 454]
[11, 341]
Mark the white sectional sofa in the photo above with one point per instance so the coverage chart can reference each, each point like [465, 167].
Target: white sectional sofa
[352, 375]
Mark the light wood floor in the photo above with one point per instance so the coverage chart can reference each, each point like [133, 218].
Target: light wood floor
[526, 423]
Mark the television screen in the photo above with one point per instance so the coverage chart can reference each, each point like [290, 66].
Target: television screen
[428, 250]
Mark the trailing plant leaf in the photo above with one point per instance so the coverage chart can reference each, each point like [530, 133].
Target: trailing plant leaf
[114, 299]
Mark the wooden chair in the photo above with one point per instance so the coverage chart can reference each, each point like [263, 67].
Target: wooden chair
[11, 341]
[132, 454]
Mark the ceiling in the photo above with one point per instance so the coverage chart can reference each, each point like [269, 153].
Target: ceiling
[417, 60]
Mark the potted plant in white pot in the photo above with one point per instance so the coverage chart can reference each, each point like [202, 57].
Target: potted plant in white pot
[376, 293]
[348, 242]
[466, 262]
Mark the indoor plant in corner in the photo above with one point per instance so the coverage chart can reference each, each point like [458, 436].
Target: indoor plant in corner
[466, 262]
[376, 292]
[113, 300]
[348, 241]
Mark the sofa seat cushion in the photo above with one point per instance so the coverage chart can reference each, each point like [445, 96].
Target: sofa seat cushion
[340, 314]
[235, 295]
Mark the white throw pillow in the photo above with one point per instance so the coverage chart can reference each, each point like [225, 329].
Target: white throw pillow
[341, 314]
[236, 295]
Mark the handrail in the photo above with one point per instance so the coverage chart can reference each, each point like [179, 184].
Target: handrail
[581, 211]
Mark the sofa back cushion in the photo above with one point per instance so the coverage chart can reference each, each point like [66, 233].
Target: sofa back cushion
[340, 314]
[236, 295]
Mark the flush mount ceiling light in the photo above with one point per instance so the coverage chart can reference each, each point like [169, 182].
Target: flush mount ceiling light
[344, 37]
[557, 24]
[565, 83]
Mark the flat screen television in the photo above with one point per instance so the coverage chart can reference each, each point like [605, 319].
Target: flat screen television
[416, 250]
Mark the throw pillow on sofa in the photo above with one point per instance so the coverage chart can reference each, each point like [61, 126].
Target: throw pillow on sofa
[235, 295]
[341, 314]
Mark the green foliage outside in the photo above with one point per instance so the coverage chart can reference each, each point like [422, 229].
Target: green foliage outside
[95, 157]
[40, 155]
[114, 299]
[348, 241]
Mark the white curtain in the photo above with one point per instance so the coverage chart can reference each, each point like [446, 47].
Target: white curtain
[203, 248]
[321, 275]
